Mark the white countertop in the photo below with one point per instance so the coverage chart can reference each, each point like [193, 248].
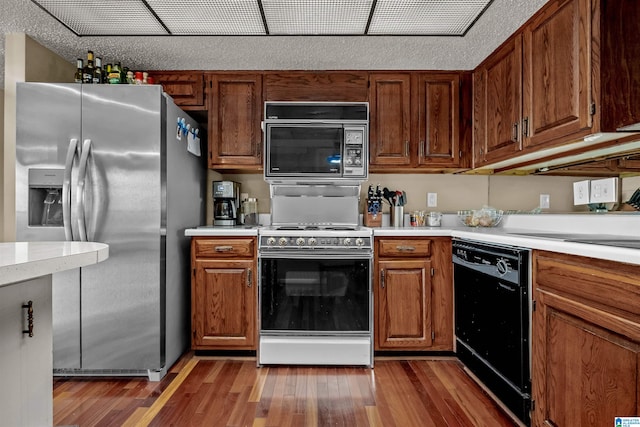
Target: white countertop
[21, 261]
[627, 225]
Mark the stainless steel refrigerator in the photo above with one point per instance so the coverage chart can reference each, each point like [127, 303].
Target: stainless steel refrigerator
[110, 164]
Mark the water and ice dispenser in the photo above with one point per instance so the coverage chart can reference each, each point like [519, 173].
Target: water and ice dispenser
[45, 197]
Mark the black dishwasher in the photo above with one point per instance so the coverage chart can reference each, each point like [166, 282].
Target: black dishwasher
[492, 319]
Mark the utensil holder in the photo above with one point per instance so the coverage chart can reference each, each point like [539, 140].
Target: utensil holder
[397, 216]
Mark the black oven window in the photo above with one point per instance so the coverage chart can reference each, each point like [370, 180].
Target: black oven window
[305, 150]
[326, 295]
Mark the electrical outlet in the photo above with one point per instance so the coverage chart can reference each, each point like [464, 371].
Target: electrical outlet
[604, 190]
[544, 201]
[432, 200]
[581, 192]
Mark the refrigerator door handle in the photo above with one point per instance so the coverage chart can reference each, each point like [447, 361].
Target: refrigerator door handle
[72, 152]
[82, 175]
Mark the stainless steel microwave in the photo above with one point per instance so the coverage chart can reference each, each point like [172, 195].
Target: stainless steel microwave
[316, 142]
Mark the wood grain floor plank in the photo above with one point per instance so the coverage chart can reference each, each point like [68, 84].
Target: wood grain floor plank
[234, 392]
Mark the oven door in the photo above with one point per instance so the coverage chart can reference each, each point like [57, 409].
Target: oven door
[315, 310]
[310, 295]
[304, 150]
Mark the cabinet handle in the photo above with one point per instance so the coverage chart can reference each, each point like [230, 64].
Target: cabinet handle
[514, 134]
[421, 149]
[29, 307]
[525, 126]
[382, 279]
[406, 248]
[406, 148]
[224, 248]
[249, 278]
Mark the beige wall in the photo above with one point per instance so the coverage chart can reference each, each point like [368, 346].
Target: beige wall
[455, 192]
[25, 60]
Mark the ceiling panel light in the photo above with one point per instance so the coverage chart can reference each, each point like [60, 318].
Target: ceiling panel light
[317, 16]
[104, 17]
[210, 17]
[426, 17]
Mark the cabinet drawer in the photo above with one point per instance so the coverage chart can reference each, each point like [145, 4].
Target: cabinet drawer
[404, 247]
[224, 248]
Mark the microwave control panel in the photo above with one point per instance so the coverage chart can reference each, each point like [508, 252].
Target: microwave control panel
[355, 153]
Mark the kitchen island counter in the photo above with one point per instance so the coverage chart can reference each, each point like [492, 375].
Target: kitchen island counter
[21, 261]
[26, 339]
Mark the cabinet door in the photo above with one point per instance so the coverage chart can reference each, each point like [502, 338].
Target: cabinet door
[403, 305]
[186, 88]
[557, 73]
[498, 99]
[437, 117]
[235, 114]
[223, 301]
[587, 375]
[390, 119]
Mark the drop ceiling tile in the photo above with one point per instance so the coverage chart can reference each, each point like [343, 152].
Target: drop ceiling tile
[210, 17]
[425, 17]
[104, 17]
[317, 16]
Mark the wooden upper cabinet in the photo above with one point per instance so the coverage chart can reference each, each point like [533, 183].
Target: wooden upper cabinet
[415, 120]
[438, 119]
[316, 86]
[557, 73]
[389, 119]
[498, 104]
[185, 87]
[619, 53]
[235, 115]
[579, 65]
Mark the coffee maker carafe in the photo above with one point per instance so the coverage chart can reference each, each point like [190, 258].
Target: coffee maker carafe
[226, 203]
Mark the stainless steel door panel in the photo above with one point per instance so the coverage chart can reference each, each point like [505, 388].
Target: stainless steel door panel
[66, 319]
[47, 118]
[184, 195]
[121, 296]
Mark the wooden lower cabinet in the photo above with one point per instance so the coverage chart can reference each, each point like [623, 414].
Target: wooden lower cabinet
[223, 294]
[413, 294]
[586, 340]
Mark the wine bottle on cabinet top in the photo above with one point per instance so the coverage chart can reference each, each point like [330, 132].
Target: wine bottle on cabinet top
[87, 71]
[97, 71]
[78, 75]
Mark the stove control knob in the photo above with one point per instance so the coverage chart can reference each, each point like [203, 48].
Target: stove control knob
[346, 241]
[300, 241]
[359, 242]
[282, 241]
[312, 241]
[271, 241]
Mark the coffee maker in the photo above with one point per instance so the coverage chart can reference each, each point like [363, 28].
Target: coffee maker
[226, 203]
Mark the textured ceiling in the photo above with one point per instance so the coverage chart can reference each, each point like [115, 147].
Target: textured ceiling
[500, 20]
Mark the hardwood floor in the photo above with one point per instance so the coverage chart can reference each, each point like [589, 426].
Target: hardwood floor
[207, 391]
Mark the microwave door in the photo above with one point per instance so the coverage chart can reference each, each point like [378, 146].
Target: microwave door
[304, 150]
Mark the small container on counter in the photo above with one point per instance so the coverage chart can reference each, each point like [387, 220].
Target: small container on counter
[434, 219]
[250, 211]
